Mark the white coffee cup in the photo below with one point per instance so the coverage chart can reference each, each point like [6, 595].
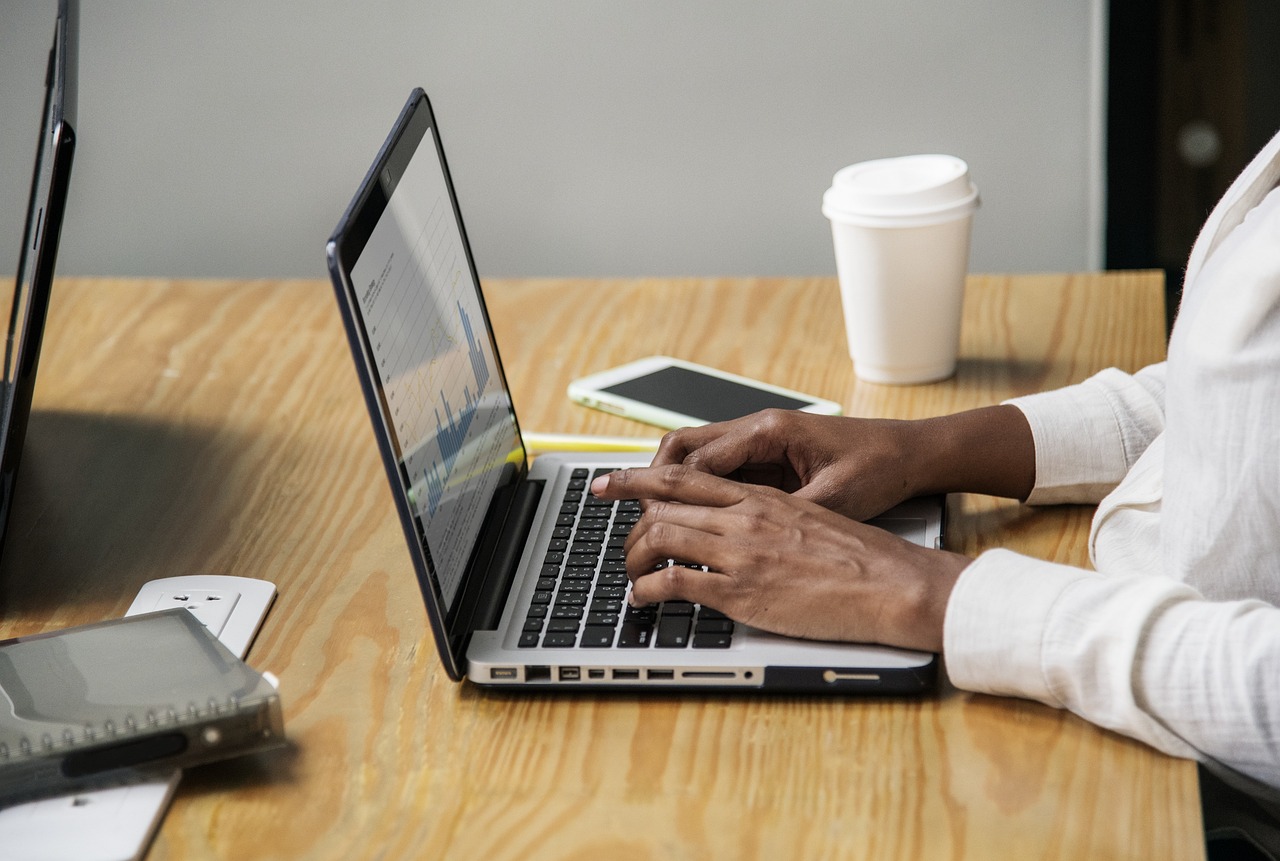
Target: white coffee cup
[901, 230]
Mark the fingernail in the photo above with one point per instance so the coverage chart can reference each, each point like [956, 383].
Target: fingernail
[600, 484]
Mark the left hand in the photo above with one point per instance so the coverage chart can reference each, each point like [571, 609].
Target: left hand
[780, 563]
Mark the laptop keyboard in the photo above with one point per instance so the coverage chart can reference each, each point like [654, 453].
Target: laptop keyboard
[581, 596]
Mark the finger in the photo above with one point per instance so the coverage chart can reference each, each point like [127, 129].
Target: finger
[672, 483]
[678, 444]
[678, 583]
[754, 446]
[671, 531]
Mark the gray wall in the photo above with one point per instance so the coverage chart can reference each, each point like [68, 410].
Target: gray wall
[586, 137]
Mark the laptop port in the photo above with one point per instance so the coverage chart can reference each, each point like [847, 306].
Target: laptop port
[662, 675]
[570, 674]
[537, 674]
[626, 675]
[595, 674]
[504, 674]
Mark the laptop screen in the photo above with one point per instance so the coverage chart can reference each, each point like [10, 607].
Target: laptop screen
[443, 399]
[28, 296]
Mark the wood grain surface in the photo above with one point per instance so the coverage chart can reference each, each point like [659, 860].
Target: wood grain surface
[186, 427]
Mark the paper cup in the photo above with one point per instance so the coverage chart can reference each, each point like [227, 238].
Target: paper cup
[901, 230]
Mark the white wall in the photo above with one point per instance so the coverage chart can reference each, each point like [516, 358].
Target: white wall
[586, 137]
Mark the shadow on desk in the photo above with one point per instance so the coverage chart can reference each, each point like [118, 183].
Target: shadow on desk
[103, 504]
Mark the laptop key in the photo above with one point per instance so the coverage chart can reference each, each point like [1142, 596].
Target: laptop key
[562, 626]
[673, 632]
[610, 619]
[558, 641]
[647, 615]
[597, 636]
[528, 640]
[635, 635]
[606, 605]
[712, 641]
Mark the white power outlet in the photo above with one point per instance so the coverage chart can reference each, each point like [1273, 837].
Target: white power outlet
[232, 608]
[211, 606]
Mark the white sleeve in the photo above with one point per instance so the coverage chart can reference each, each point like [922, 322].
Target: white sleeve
[1148, 657]
[1087, 436]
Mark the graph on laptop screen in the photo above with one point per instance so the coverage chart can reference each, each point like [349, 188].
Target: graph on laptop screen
[451, 417]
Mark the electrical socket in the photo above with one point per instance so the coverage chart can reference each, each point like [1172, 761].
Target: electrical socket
[211, 606]
[232, 608]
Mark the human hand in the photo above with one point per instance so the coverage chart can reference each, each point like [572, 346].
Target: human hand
[862, 467]
[856, 467]
[780, 562]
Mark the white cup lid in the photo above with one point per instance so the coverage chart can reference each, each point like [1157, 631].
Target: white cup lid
[913, 189]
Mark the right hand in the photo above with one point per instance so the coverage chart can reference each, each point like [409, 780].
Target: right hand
[856, 467]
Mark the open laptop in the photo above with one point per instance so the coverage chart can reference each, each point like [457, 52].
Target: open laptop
[520, 567]
[29, 300]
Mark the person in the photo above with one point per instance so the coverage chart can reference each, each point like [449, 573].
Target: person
[1173, 638]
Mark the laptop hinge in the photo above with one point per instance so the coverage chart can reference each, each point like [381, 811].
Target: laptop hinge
[496, 560]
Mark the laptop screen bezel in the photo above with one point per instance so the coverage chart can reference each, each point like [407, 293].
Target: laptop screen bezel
[451, 628]
[42, 232]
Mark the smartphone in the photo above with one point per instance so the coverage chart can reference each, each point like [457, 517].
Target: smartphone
[672, 393]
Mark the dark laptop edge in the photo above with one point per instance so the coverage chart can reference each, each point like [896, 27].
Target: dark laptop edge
[41, 236]
[489, 573]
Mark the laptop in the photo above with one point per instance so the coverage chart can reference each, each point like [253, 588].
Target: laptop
[520, 567]
[29, 301]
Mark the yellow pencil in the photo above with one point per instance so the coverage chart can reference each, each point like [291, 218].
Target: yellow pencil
[543, 442]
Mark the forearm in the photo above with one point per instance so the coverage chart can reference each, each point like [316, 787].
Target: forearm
[988, 450]
[1146, 656]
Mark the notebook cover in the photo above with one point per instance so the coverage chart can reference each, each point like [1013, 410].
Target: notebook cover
[105, 703]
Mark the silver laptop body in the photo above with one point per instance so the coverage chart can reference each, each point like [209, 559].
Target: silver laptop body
[501, 552]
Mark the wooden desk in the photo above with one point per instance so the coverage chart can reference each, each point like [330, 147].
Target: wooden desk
[217, 427]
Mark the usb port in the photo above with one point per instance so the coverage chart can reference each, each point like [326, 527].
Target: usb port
[662, 675]
[570, 674]
[626, 675]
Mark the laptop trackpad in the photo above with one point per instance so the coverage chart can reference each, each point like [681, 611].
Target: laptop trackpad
[914, 529]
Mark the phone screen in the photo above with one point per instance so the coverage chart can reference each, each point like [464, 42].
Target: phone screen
[699, 395]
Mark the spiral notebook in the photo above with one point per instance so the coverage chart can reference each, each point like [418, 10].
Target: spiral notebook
[92, 706]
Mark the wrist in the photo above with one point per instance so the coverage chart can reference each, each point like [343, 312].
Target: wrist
[921, 601]
[988, 450]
